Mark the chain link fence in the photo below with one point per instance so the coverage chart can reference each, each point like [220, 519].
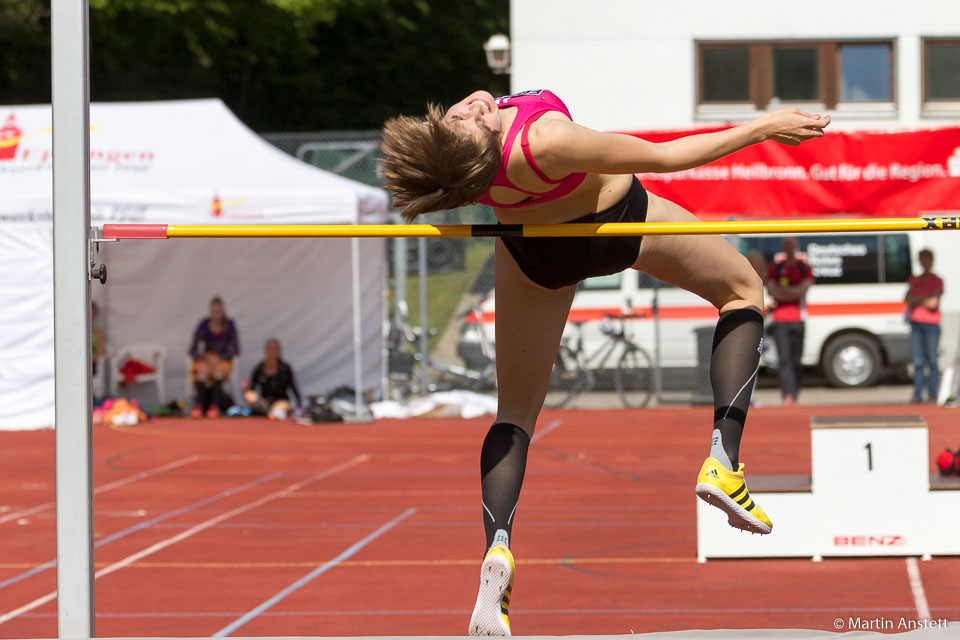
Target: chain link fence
[630, 341]
[433, 283]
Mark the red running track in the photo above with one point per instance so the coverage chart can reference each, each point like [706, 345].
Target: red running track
[256, 528]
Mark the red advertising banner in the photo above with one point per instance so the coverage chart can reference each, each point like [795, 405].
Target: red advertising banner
[884, 173]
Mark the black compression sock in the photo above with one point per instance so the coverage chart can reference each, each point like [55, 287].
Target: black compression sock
[503, 460]
[734, 363]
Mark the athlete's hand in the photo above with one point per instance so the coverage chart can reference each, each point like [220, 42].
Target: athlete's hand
[793, 126]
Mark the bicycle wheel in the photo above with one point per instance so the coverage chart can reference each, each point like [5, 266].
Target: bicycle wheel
[634, 378]
[567, 380]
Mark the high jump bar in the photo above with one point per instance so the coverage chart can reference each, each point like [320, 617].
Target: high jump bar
[165, 231]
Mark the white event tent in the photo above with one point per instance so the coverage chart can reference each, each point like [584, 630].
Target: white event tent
[186, 162]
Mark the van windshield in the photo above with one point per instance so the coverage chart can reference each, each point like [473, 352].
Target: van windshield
[842, 259]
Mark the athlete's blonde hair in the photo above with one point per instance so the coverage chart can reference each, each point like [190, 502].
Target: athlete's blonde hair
[430, 165]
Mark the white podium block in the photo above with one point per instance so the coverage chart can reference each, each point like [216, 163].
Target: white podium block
[869, 494]
[942, 520]
[790, 512]
[871, 478]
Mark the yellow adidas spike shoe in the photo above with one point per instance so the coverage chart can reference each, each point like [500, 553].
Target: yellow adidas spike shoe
[491, 613]
[727, 490]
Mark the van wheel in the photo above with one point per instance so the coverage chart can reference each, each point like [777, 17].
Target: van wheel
[852, 360]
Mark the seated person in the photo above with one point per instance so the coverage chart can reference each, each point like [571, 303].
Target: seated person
[215, 344]
[266, 392]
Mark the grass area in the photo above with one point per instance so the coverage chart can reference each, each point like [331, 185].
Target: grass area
[444, 290]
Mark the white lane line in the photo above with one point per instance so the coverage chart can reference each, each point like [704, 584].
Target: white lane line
[107, 487]
[146, 523]
[916, 586]
[550, 427]
[326, 566]
[438, 524]
[462, 612]
[470, 492]
[163, 544]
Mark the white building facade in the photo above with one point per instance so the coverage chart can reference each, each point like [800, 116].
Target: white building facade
[633, 65]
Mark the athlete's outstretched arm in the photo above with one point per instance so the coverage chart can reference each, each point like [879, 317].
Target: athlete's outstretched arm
[563, 147]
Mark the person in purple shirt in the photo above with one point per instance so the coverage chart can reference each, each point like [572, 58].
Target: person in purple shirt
[215, 344]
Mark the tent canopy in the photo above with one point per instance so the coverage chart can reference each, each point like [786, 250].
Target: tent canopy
[187, 162]
[175, 162]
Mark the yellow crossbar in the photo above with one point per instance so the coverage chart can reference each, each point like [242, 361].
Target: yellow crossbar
[159, 231]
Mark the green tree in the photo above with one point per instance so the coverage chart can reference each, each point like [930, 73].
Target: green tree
[385, 57]
[279, 64]
[24, 51]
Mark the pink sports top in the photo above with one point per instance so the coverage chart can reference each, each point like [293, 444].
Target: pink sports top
[531, 105]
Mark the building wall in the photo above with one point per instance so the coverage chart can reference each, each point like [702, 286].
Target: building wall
[631, 64]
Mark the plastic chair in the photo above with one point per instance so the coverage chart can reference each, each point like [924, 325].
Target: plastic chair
[149, 354]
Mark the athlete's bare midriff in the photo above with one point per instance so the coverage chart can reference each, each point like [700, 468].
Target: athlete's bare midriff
[596, 193]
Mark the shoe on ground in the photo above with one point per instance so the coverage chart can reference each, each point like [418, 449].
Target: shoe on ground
[789, 400]
[196, 412]
[727, 490]
[491, 613]
[213, 412]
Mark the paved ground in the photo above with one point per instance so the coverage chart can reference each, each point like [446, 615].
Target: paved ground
[824, 395]
[768, 395]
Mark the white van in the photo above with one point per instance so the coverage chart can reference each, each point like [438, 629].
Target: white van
[855, 326]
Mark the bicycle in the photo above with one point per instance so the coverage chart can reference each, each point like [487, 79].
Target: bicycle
[575, 371]
[401, 359]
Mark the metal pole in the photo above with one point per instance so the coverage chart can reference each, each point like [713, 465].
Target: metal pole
[422, 268]
[657, 365]
[399, 278]
[71, 318]
[385, 325]
[400, 317]
[360, 411]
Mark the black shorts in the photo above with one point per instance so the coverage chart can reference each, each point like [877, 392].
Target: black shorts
[554, 263]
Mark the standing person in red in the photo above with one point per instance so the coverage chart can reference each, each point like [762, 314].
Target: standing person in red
[923, 312]
[787, 282]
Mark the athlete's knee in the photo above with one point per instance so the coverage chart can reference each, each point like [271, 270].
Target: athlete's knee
[524, 419]
[754, 288]
[745, 290]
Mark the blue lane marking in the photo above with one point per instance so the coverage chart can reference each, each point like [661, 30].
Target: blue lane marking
[319, 571]
[146, 523]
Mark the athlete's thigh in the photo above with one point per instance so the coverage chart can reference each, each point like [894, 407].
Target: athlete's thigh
[706, 265]
[529, 323]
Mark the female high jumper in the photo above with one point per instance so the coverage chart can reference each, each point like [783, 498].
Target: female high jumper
[524, 156]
